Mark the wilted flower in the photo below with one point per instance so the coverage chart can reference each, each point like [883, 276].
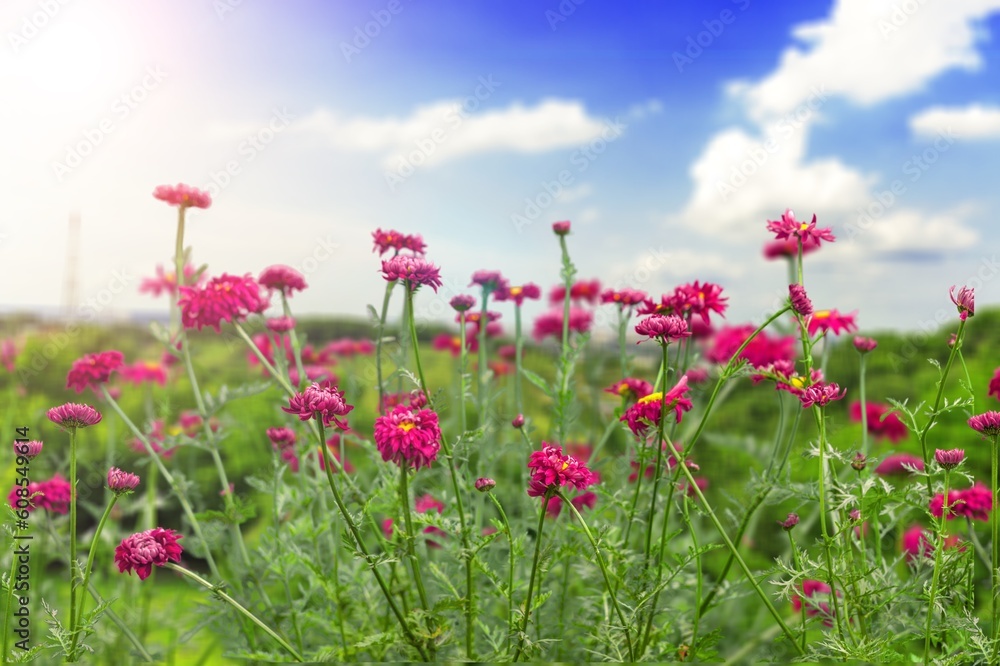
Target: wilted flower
[408, 436]
[140, 551]
[73, 415]
[183, 196]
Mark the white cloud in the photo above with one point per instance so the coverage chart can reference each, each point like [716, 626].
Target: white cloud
[971, 122]
[446, 131]
[869, 51]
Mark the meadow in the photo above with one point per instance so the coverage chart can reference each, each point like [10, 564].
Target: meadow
[256, 487]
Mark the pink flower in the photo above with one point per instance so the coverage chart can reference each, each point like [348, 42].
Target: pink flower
[645, 413]
[917, 541]
[93, 369]
[29, 450]
[699, 299]
[145, 371]
[347, 347]
[581, 290]
[815, 588]
[762, 351]
[409, 436]
[393, 240]
[414, 271]
[821, 394]
[323, 398]
[140, 551]
[630, 388]
[790, 228]
[974, 503]
[224, 298]
[281, 438]
[949, 458]
[282, 278]
[280, 324]
[965, 301]
[551, 323]
[8, 353]
[73, 415]
[994, 389]
[864, 345]
[551, 468]
[519, 293]
[663, 328]
[463, 302]
[625, 297]
[897, 463]
[831, 320]
[987, 423]
[52, 495]
[166, 283]
[800, 302]
[791, 521]
[881, 423]
[183, 195]
[121, 482]
[485, 485]
[561, 228]
[490, 281]
[518, 421]
[415, 399]
[453, 343]
[789, 248]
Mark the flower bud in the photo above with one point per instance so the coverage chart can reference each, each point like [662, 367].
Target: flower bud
[485, 485]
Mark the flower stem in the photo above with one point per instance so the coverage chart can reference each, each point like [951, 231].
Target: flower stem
[604, 571]
[217, 591]
[938, 548]
[937, 405]
[380, 333]
[659, 459]
[995, 558]
[824, 530]
[531, 580]
[86, 577]
[518, 349]
[481, 374]
[418, 579]
[462, 365]
[510, 569]
[73, 564]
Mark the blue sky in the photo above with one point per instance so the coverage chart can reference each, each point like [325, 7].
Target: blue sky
[678, 129]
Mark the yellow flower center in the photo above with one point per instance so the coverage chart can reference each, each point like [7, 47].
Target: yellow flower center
[821, 314]
[174, 430]
[565, 465]
[151, 365]
[407, 426]
[652, 397]
[798, 382]
[624, 389]
[803, 227]
[456, 341]
[516, 291]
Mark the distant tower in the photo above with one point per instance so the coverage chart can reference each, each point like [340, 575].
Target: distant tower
[70, 295]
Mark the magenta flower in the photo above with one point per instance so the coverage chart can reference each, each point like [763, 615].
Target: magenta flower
[581, 290]
[624, 297]
[881, 422]
[518, 421]
[663, 328]
[789, 248]
[831, 320]
[994, 388]
[490, 281]
[965, 301]
[698, 299]
[949, 458]
[93, 369]
[820, 394]
[453, 343]
[898, 463]
[485, 485]
[551, 468]
[121, 482]
[551, 323]
[762, 351]
[819, 590]
[141, 372]
[415, 271]
[393, 240]
[408, 436]
[987, 423]
[630, 388]
[280, 324]
[183, 196]
[29, 450]
[140, 551]
[224, 298]
[864, 345]
[519, 293]
[791, 521]
[800, 302]
[73, 415]
[790, 228]
[52, 495]
[166, 283]
[561, 228]
[414, 399]
[282, 278]
[281, 438]
[645, 413]
[463, 302]
[322, 399]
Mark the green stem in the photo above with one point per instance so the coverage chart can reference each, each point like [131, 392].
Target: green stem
[526, 616]
[798, 568]
[605, 436]
[510, 569]
[937, 405]
[659, 458]
[217, 591]
[73, 564]
[938, 548]
[462, 365]
[698, 574]
[481, 374]
[378, 344]
[824, 530]
[622, 330]
[568, 271]
[518, 348]
[296, 345]
[418, 579]
[604, 571]
[995, 559]
[86, 576]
